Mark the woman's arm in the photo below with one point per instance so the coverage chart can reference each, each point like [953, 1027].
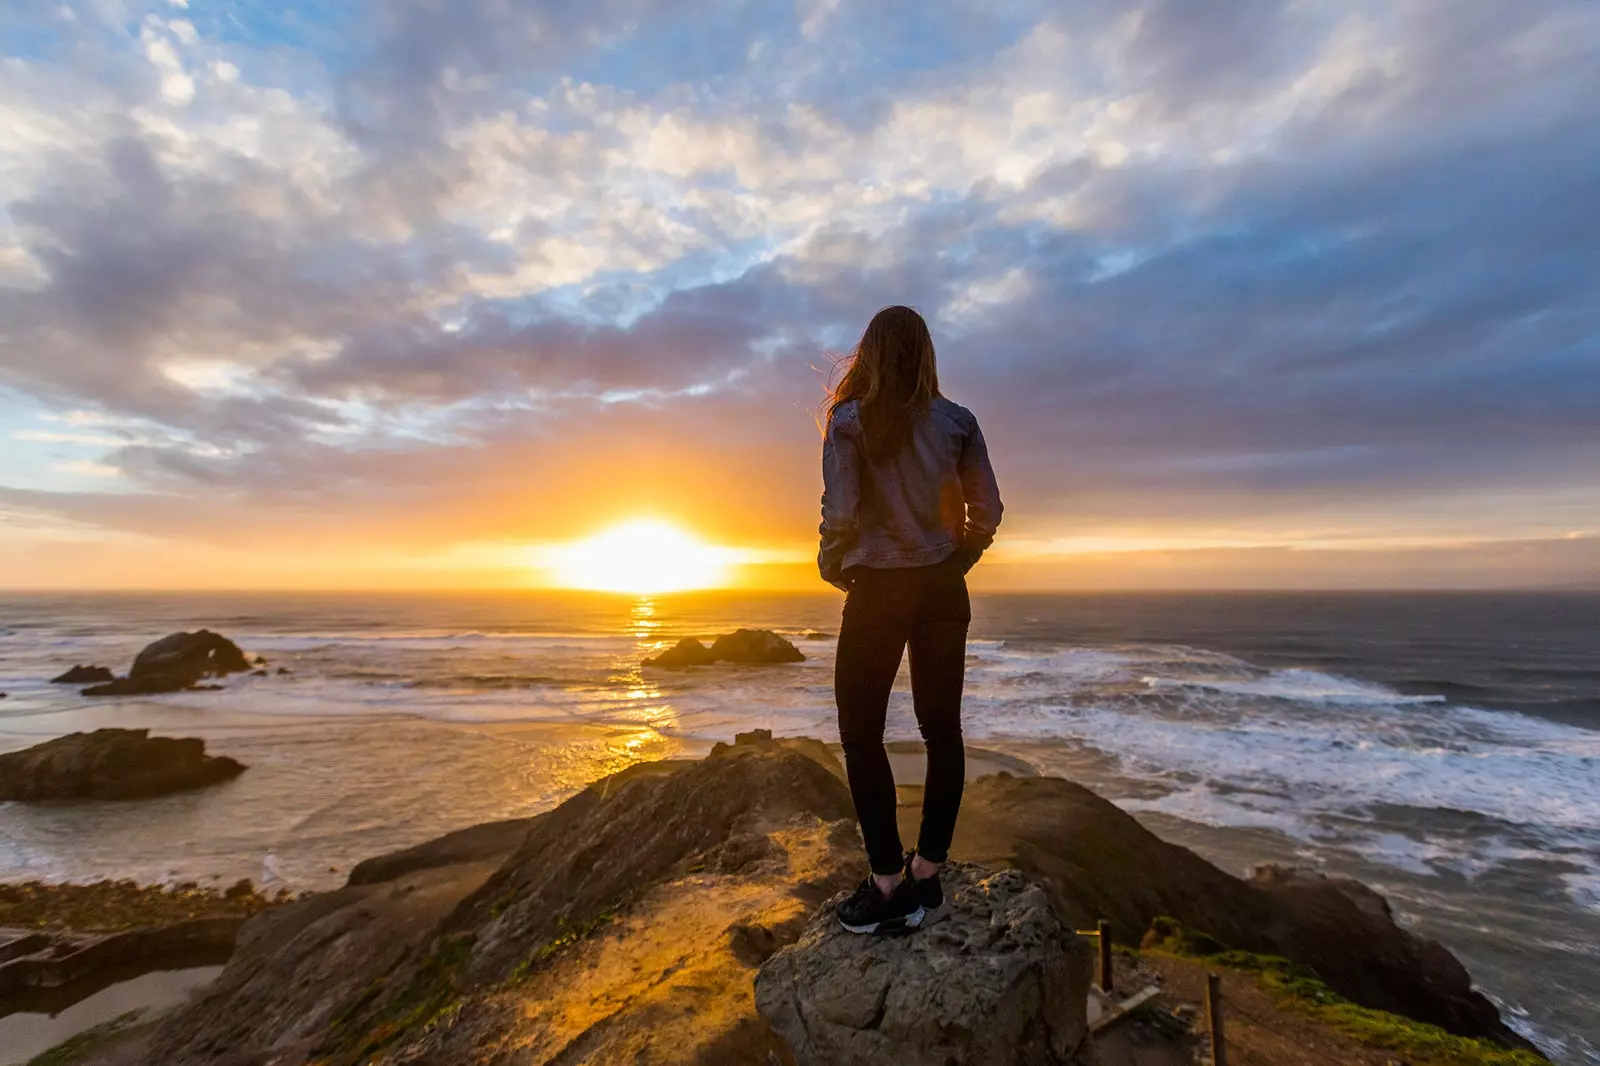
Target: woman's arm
[841, 495]
[982, 495]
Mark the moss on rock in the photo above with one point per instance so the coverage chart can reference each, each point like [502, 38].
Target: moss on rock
[1297, 987]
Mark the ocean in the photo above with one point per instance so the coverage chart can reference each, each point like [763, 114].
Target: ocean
[1442, 747]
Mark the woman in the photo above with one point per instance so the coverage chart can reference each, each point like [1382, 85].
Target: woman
[909, 503]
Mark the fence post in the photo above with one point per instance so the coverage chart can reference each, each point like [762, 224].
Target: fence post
[1105, 954]
[1219, 1049]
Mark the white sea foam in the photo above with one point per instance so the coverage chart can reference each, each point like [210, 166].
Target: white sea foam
[1304, 686]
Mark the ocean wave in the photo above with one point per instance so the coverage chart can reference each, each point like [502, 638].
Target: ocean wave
[1301, 686]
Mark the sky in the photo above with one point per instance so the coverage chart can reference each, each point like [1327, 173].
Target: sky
[405, 293]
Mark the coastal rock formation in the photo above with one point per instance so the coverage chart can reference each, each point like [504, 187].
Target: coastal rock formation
[1096, 861]
[626, 925]
[176, 662]
[84, 675]
[111, 764]
[759, 646]
[996, 981]
[629, 925]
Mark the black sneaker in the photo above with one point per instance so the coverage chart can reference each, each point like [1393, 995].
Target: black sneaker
[869, 911]
[930, 893]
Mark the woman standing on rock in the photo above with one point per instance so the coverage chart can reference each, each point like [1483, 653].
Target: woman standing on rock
[909, 503]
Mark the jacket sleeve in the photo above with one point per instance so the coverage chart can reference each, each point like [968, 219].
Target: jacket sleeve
[841, 496]
[981, 493]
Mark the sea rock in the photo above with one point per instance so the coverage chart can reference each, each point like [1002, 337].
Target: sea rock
[686, 653]
[111, 764]
[997, 981]
[741, 646]
[755, 646]
[177, 662]
[84, 675]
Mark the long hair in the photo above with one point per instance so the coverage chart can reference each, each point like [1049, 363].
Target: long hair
[892, 377]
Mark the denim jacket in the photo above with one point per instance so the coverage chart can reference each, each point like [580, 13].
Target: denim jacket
[919, 507]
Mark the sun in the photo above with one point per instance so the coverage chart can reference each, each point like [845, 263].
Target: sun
[643, 556]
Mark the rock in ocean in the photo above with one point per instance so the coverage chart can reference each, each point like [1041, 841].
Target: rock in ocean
[111, 764]
[177, 662]
[759, 646]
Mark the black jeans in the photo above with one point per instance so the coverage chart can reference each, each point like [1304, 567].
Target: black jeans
[926, 609]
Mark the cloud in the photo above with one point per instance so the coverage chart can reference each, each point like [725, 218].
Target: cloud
[1278, 264]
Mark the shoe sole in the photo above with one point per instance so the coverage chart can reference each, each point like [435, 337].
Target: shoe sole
[890, 926]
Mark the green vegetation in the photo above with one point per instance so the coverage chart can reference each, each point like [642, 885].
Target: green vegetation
[432, 994]
[560, 943]
[112, 906]
[75, 1048]
[1299, 988]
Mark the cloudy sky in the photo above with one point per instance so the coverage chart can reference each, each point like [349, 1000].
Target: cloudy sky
[1256, 292]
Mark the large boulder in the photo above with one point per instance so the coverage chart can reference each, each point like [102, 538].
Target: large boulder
[998, 981]
[84, 675]
[111, 764]
[177, 662]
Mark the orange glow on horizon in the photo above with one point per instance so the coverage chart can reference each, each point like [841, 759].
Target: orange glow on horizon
[643, 556]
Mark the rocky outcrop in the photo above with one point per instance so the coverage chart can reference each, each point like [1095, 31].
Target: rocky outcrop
[759, 646]
[997, 981]
[111, 764]
[1097, 861]
[84, 675]
[626, 926]
[176, 662]
[629, 924]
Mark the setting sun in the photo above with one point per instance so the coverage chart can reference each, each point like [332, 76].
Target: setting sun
[642, 556]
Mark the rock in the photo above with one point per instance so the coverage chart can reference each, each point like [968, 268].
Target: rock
[177, 662]
[755, 646]
[111, 764]
[741, 646]
[258, 673]
[84, 675]
[686, 653]
[997, 981]
[282, 671]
